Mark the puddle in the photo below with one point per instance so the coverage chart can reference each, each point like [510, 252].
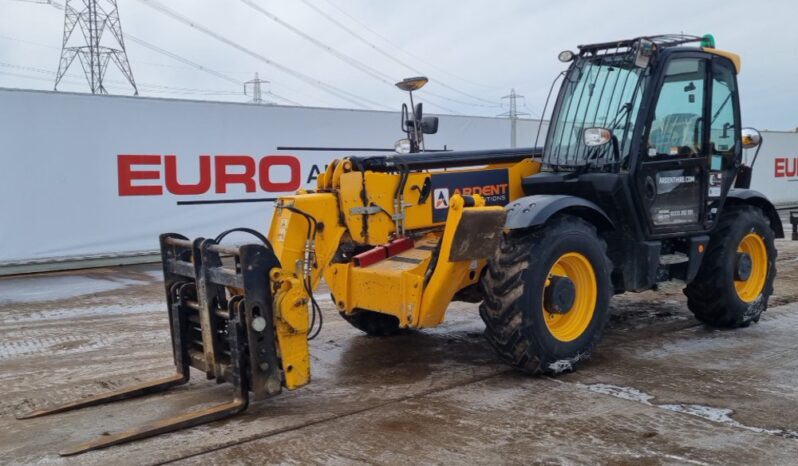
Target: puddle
[710, 413]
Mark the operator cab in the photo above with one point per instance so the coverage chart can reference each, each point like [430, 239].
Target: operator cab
[649, 129]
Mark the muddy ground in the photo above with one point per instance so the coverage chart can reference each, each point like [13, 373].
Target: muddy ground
[661, 389]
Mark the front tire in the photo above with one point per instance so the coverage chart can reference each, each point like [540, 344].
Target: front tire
[547, 293]
[726, 293]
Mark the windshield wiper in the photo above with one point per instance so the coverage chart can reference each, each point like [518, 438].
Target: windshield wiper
[625, 108]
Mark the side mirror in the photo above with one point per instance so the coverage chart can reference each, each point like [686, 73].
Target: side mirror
[429, 125]
[596, 136]
[751, 138]
[419, 111]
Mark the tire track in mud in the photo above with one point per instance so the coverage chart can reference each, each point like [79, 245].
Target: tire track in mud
[57, 345]
[55, 351]
[67, 344]
[62, 332]
[12, 318]
[84, 375]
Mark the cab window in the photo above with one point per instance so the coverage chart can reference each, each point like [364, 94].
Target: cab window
[677, 126]
[722, 129]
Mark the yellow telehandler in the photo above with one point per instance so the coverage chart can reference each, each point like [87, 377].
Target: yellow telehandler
[641, 180]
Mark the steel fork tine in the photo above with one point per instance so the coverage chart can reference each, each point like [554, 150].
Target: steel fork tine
[160, 426]
[133, 391]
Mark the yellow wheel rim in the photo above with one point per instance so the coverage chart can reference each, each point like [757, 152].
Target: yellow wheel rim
[570, 325]
[750, 289]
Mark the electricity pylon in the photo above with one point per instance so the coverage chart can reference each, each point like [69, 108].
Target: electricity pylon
[513, 114]
[94, 18]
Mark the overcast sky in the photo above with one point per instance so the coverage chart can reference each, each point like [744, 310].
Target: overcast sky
[474, 51]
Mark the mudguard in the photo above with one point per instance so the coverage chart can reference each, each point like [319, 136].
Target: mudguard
[757, 199]
[531, 211]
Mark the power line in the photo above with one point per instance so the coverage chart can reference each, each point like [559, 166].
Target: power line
[150, 46]
[533, 112]
[359, 37]
[130, 38]
[149, 87]
[162, 51]
[371, 71]
[393, 58]
[185, 61]
[21, 41]
[199, 67]
[164, 91]
[340, 93]
[385, 78]
[40, 78]
[191, 64]
[269, 92]
[398, 47]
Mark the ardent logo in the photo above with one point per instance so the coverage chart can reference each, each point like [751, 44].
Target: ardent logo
[676, 179]
[441, 198]
[492, 185]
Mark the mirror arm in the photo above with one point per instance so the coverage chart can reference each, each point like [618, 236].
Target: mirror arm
[416, 141]
[756, 154]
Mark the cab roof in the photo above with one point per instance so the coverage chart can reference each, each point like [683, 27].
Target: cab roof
[660, 41]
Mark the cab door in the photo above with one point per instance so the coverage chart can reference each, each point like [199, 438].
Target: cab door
[725, 137]
[674, 167]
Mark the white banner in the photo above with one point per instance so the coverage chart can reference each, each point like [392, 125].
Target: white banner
[88, 175]
[776, 168]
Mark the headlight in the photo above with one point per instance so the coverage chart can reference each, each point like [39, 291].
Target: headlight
[597, 136]
[402, 146]
[565, 56]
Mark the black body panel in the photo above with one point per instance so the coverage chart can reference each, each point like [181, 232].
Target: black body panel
[608, 191]
[535, 210]
[755, 198]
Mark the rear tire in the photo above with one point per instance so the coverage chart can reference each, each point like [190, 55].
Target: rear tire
[717, 296]
[519, 325]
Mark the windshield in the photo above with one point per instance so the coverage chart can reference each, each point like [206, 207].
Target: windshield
[598, 92]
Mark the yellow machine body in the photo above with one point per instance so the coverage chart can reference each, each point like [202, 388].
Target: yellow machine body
[359, 209]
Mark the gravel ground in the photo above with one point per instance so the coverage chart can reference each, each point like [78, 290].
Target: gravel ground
[661, 389]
